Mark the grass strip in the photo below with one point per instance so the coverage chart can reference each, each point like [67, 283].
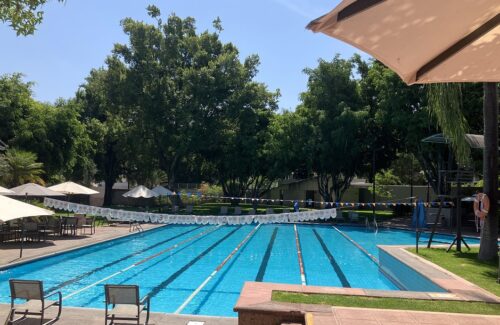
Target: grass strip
[388, 303]
[466, 265]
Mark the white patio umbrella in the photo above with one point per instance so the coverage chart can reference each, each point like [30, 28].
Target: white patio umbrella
[11, 209]
[162, 191]
[32, 189]
[4, 191]
[72, 188]
[140, 191]
[429, 41]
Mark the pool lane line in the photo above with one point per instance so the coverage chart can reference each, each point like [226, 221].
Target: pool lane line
[373, 258]
[299, 255]
[217, 269]
[267, 255]
[177, 273]
[102, 267]
[333, 262]
[140, 262]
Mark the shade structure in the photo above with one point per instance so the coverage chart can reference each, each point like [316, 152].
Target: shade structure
[72, 188]
[140, 191]
[32, 189]
[162, 191]
[4, 191]
[423, 41]
[11, 209]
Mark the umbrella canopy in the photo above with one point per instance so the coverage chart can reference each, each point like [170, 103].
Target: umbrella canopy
[32, 189]
[4, 190]
[423, 41]
[72, 188]
[140, 191]
[11, 209]
[162, 191]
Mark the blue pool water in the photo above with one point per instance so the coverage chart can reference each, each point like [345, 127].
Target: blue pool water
[183, 256]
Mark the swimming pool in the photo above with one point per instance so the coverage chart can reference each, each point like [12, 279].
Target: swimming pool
[171, 262]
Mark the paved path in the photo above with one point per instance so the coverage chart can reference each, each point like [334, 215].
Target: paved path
[367, 316]
[9, 252]
[88, 316]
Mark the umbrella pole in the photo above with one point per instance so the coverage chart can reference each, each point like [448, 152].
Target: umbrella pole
[22, 240]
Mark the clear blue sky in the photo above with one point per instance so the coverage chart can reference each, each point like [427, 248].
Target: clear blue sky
[77, 35]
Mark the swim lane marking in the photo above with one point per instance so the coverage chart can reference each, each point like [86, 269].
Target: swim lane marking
[299, 254]
[217, 269]
[141, 262]
[373, 258]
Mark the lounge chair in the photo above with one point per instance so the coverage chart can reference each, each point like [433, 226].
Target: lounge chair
[251, 211]
[269, 211]
[36, 303]
[237, 211]
[126, 305]
[189, 209]
[223, 210]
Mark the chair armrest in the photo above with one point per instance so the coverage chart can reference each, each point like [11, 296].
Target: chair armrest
[59, 296]
[145, 300]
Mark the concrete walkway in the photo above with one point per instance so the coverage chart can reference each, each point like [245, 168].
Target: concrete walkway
[88, 316]
[9, 252]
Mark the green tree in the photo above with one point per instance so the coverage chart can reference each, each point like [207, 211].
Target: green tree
[15, 103]
[22, 15]
[18, 167]
[332, 103]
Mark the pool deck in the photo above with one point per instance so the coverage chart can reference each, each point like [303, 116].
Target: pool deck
[89, 316]
[9, 252]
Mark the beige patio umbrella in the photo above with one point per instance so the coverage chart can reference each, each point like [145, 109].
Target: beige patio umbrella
[429, 41]
[32, 189]
[11, 209]
[4, 191]
[72, 188]
[140, 191]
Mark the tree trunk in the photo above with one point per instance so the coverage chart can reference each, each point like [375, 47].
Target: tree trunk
[489, 232]
[108, 191]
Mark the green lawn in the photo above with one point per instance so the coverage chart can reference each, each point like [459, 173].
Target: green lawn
[388, 303]
[465, 265]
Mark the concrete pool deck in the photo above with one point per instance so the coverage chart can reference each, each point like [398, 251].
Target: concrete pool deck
[89, 316]
[9, 252]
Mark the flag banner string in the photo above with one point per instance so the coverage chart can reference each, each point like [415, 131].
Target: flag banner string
[324, 203]
[134, 216]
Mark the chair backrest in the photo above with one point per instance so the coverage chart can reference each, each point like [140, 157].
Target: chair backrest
[269, 211]
[121, 294]
[90, 221]
[26, 289]
[237, 210]
[30, 226]
[189, 209]
[71, 221]
[80, 219]
[251, 211]
[223, 210]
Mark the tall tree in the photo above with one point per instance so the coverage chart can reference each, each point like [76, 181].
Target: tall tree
[333, 103]
[22, 15]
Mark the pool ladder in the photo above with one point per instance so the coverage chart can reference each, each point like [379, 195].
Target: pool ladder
[135, 226]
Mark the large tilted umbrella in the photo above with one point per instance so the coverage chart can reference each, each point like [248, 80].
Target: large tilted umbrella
[72, 188]
[140, 191]
[32, 189]
[429, 41]
[11, 209]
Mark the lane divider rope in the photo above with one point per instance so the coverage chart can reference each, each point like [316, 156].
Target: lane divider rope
[217, 269]
[141, 262]
[373, 258]
[299, 254]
